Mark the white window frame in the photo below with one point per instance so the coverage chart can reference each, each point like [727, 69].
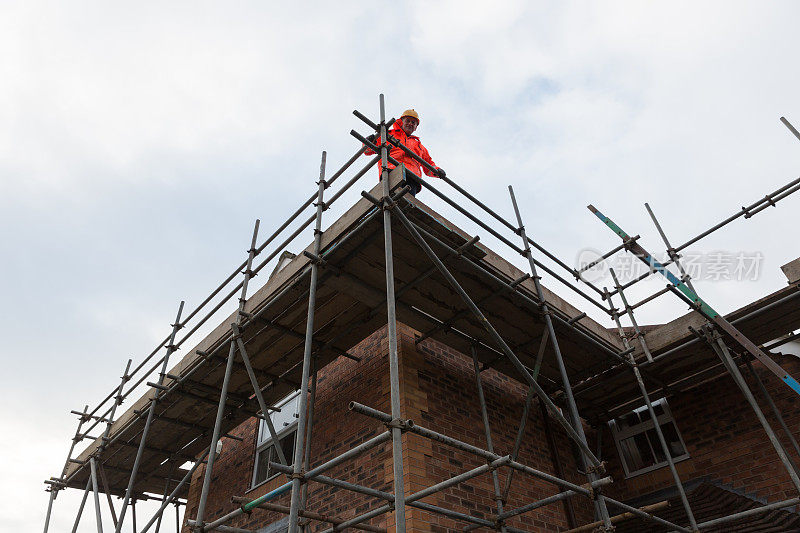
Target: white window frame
[643, 427]
[285, 422]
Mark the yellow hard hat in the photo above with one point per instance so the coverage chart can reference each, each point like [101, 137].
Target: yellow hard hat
[410, 113]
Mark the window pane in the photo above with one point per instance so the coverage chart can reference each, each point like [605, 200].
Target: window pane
[671, 436]
[262, 458]
[287, 444]
[636, 452]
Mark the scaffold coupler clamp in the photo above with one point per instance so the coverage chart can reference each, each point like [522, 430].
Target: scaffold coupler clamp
[397, 423]
[301, 475]
[600, 469]
[605, 529]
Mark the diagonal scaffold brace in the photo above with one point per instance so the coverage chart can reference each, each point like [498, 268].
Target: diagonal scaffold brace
[698, 304]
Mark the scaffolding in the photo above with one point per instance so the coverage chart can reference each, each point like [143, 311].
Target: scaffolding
[267, 357]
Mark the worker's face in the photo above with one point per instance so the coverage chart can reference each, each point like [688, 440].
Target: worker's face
[409, 125]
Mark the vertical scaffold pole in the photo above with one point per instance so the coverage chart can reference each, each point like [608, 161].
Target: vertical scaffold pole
[638, 375]
[391, 326]
[600, 503]
[300, 443]
[309, 431]
[118, 399]
[150, 412]
[223, 395]
[498, 496]
[718, 345]
[774, 408]
[96, 491]
[54, 491]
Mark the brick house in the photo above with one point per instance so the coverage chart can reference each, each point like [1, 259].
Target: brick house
[725, 460]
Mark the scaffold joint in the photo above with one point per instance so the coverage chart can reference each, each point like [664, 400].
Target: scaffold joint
[599, 469]
[397, 423]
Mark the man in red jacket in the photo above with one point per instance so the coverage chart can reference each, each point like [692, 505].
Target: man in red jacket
[402, 131]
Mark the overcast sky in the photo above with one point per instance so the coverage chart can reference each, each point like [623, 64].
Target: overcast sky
[141, 141]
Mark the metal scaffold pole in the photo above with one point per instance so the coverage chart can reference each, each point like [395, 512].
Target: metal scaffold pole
[151, 411]
[223, 397]
[300, 443]
[646, 397]
[309, 432]
[55, 487]
[600, 504]
[498, 496]
[96, 491]
[719, 346]
[391, 317]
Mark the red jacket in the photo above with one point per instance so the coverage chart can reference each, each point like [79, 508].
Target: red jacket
[411, 142]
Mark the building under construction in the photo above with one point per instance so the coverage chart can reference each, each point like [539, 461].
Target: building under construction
[399, 375]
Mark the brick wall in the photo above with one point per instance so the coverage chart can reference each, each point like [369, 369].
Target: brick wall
[437, 391]
[724, 439]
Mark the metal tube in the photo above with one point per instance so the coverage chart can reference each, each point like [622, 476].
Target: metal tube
[744, 212]
[672, 253]
[387, 496]
[518, 440]
[620, 517]
[307, 514]
[259, 396]
[96, 491]
[748, 316]
[201, 507]
[791, 128]
[722, 351]
[54, 491]
[602, 482]
[573, 408]
[50, 500]
[773, 407]
[82, 505]
[460, 478]
[656, 425]
[484, 272]
[303, 408]
[309, 432]
[224, 529]
[353, 452]
[632, 318]
[104, 481]
[460, 445]
[498, 497]
[646, 515]
[391, 319]
[169, 499]
[552, 409]
[151, 411]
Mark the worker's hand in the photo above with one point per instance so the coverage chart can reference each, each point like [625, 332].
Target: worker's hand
[441, 172]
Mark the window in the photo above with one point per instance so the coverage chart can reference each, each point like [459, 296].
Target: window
[285, 422]
[637, 440]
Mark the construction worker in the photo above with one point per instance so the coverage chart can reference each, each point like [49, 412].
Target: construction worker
[402, 131]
